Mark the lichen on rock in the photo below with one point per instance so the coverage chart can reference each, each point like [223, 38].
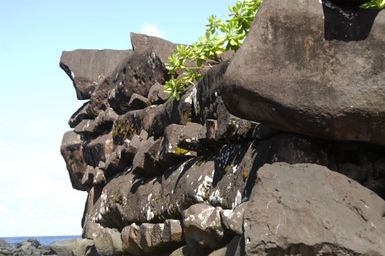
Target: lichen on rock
[197, 177]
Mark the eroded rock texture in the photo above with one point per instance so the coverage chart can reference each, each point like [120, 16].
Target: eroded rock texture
[321, 74]
[188, 177]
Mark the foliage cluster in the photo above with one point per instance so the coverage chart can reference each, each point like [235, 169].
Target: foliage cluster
[374, 4]
[221, 35]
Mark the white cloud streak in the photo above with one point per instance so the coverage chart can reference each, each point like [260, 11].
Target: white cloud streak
[152, 30]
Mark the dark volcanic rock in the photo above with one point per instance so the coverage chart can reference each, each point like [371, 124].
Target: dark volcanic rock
[309, 210]
[202, 226]
[151, 239]
[291, 74]
[88, 68]
[72, 151]
[189, 174]
[180, 142]
[30, 247]
[162, 48]
[63, 248]
[84, 247]
[80, 115]
[98, 150]
[108, 242]
[101, 124]
[210, 106]
[232, 220]
[136, 74]
[146, 160]
[138, 102]
[157, 95]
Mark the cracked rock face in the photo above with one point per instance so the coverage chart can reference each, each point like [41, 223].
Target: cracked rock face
[88, 68]
[309, 210]
[321, 75]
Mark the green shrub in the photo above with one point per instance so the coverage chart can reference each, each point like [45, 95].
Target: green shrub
[374, 4]
[221, 35]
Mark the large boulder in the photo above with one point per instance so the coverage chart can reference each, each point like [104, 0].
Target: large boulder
[306, 209]
[202, 226]
[162, 48]
[313, 69]
[151, 239]
[72, 151]
[88, 68]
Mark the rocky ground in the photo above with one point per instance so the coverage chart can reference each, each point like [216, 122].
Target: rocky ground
[278, 150]
[34, 248]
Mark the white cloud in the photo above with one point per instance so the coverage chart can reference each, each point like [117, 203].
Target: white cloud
[36, 196]
[152, 30]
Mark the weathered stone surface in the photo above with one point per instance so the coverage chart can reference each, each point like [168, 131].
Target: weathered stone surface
[187, 107]
[137, 102]
[72, 151]
[63, 248]
[202, 226]
[220, 180]
[162, 48]
[121, 159]
[30, 247]
[156, 94]
[233, 166]
[98, 150]
[88, 221]
[153, 119]
[172, 231]
[180, 142]
[80, 115]
[100, 124]
[108, 242]
[88, 176]
[88, 68]
[84, 247]
[135, 74]
[231, 249]
[139, 185]
[157, 198]
[146, 160]
[210, 106]
[99, 97]
[307, 209]
[307, 82]
[153, 239]
[131, 240]
[232, 220]
[262, 132]
[208, 91]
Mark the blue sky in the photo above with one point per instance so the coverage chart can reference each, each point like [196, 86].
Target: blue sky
[37, 98]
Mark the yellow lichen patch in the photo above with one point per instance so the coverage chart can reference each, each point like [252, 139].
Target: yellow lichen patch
[183, 152]
[245, 174]
[228, 168]
[122, 130]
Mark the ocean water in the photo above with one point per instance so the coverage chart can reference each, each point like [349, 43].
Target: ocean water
[44, 240]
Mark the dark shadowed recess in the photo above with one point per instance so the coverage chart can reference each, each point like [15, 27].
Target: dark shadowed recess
[345, 21]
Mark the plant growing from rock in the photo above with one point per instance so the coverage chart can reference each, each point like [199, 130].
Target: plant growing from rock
[221, 35]
[374, 4]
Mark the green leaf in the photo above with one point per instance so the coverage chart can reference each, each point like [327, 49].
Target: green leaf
[220, 35]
